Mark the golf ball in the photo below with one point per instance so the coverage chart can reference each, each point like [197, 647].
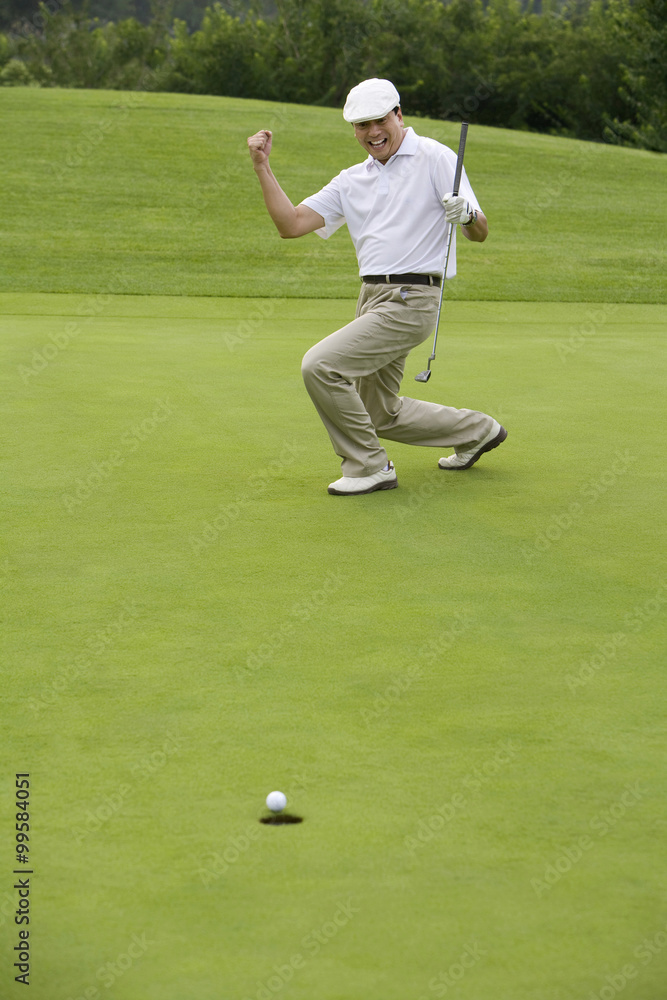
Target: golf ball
[276, 801]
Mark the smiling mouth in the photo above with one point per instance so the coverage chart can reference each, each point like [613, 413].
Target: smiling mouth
[379, 144]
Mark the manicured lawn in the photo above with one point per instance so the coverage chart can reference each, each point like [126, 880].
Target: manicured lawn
[456, 683]
[195, 622]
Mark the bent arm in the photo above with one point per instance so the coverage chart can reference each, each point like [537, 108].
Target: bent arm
[479, 230]
[290, 220]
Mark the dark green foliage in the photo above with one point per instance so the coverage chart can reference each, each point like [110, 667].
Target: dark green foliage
[72, 51]
[224, 57]
[18, 15]
[643, 29]
[589, 69]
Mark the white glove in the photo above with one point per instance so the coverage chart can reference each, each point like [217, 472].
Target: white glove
[457, 209]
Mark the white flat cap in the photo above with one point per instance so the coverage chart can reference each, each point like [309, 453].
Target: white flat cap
[369, 100]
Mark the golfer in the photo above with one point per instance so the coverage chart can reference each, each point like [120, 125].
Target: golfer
[396, 204]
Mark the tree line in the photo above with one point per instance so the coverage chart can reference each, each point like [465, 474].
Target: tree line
[589, 69]
[14, 13]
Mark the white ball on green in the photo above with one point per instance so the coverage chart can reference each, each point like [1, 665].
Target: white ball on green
[276, 801]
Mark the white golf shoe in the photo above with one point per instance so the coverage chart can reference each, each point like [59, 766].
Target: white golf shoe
[464, 459]
[350, 486]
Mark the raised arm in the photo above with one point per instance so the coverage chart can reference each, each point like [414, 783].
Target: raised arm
[290, 221]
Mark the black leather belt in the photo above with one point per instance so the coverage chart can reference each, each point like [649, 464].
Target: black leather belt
[402, 279]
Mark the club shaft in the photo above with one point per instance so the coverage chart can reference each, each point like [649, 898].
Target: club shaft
[450, 229]
[459, 157]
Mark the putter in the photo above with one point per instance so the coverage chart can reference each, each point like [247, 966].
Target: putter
[425, 376]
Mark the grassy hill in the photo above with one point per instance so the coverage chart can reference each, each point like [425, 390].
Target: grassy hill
[155, 194]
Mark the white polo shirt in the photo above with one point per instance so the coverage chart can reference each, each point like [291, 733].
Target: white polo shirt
[394, 211]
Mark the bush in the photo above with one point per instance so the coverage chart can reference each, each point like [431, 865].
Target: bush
[642, 30]
[5, 50]
[15, 73]
[224, 57]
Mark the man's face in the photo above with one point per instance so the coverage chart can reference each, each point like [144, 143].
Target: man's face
[382, 136]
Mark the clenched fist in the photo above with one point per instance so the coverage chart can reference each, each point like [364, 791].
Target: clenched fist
[260, 146]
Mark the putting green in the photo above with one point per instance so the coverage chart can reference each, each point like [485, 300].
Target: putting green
[454, 682]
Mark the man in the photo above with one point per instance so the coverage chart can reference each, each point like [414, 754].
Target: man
[396, 205]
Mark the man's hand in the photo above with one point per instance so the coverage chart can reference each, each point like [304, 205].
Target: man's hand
[290, 221]
[457, 209]
[260, 147]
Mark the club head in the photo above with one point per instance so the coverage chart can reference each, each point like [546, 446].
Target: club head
[423, 376]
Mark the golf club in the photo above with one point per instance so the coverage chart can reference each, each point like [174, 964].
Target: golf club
[425, 376]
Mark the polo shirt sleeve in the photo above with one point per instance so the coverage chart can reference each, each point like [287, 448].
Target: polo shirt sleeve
[328, 204]
[443, 178]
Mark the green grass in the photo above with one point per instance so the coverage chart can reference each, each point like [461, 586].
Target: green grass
[194, 621]
[151, 194]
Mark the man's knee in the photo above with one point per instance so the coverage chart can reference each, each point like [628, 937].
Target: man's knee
[383, 409]
[384, 424]
[309, 366]
[314, 367]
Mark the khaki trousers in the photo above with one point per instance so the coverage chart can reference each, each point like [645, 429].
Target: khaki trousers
[353, 377]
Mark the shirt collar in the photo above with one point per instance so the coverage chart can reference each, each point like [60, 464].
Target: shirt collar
[407, 148]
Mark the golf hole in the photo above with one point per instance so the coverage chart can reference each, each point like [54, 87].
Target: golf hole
[281, 819]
